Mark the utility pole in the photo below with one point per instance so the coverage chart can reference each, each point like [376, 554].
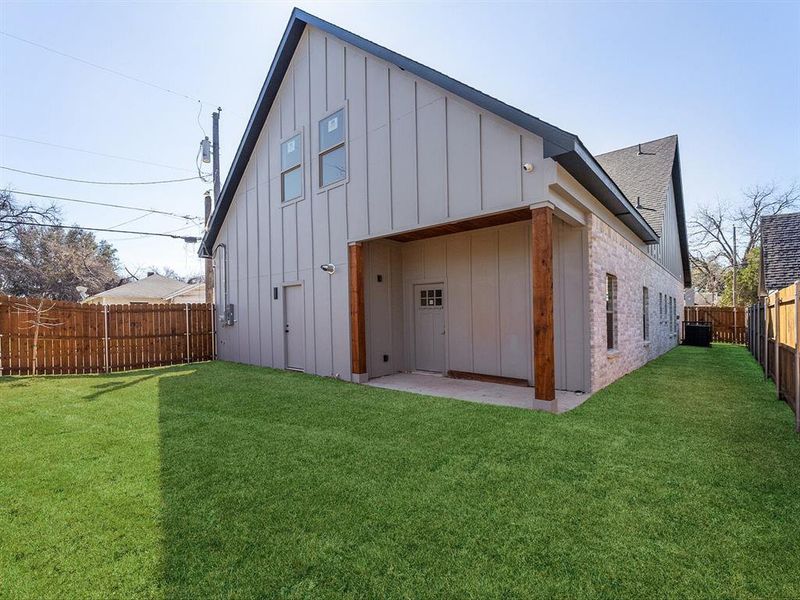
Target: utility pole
[733, 290]
[208, 265]
[215, 151]
[209, 202]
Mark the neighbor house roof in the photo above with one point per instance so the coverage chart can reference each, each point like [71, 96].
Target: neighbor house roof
[152, 287]
[562, 146]
[780, 250]
[644, 172]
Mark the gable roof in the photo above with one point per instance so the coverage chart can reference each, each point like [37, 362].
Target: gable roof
[644, 172]
[780, 250]
[152, 286]
[562, 146]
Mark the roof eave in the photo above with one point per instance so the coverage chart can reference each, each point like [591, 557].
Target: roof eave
[680, 213]
[269, 90]
[588, 172]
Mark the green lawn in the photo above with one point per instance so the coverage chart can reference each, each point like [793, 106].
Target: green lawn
[680, 480]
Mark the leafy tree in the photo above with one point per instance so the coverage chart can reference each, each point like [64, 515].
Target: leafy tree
[50, 262]
[747, 279]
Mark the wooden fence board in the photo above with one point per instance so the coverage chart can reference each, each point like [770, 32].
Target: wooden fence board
[773, 335]
[728, 324]
[87, 338]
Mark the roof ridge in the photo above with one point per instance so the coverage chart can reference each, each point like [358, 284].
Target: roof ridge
[666, 137]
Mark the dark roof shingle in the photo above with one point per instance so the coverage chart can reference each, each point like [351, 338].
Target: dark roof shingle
[644, 176]
[780, 250]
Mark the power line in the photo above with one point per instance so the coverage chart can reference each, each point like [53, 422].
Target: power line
[92, 182]
[187, 239]
[139, 237]
[114, 156]
[129, 221]
[109, 205]
[102, 68]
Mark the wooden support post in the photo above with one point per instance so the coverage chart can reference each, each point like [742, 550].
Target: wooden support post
[358, 329]
[544, 372]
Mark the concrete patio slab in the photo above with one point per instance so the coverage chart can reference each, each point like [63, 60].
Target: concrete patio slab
[477, 391]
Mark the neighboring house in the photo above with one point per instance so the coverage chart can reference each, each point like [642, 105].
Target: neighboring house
[693, 297]
[381, 217]
[153, 289]
[780, 252]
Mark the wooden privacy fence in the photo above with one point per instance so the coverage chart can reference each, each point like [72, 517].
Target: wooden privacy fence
[773, 340]
[727, 323]
[39, 336]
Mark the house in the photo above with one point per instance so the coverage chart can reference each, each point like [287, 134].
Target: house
[780, 252]
[695, 297]
[380, 217]
[153, 289]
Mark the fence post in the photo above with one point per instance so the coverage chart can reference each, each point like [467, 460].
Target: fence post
[105, 337]
[213, 309]
[777, 328]
[765, 321]
[188, 352]
[797, 356]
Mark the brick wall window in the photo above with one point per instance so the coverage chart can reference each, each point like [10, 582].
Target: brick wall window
[645, 314]
[611, 312]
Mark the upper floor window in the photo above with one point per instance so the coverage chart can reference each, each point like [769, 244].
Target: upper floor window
[292, 168]
[332, 153]
[611, 312]
[645, 314]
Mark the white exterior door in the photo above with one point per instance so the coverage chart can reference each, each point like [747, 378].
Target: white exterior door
[429, 327]
[294, 327]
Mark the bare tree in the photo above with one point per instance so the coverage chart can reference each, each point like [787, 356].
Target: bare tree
[712, 226]
[14, 214]
[39, 319]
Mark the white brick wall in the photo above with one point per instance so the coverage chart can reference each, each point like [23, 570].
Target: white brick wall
[611, 253]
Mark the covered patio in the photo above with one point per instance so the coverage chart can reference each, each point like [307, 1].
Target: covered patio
[484, 392]
[498, 300]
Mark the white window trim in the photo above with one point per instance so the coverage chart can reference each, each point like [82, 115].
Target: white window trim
[302, 167]
[346, 144]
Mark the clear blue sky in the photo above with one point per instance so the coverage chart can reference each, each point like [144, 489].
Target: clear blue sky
[725, 77]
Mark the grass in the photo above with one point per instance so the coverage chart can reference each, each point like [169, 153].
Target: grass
[221, 480]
